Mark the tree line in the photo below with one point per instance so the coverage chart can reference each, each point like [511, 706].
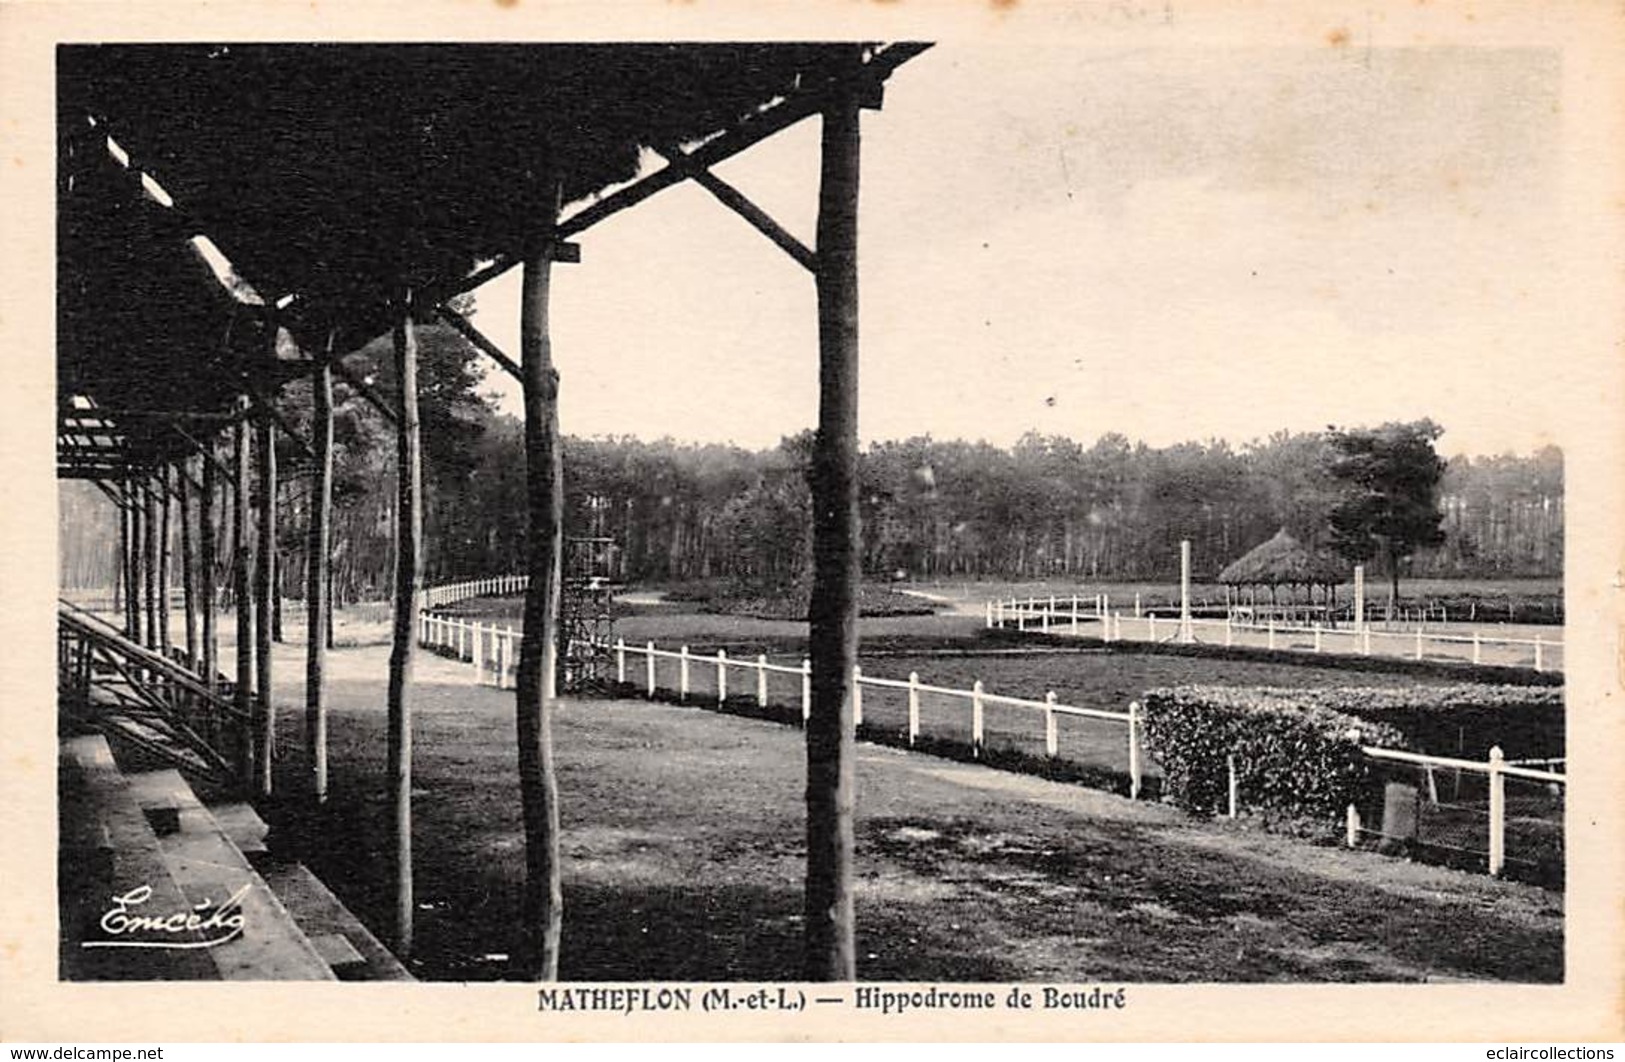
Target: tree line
[1049, 506]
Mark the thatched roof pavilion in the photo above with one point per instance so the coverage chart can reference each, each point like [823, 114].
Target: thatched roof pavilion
[1284, 561]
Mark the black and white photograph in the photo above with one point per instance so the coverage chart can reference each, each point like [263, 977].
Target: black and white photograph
[1085, 519]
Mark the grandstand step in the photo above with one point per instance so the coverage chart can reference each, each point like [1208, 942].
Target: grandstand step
[96, 801]
[321, 915]
[210, 871]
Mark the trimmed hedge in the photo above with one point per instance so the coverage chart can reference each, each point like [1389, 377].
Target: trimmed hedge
[1296, 760]
[1463, 720]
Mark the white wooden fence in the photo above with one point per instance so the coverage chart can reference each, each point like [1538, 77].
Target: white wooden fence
[493, 650]
[1060, 616]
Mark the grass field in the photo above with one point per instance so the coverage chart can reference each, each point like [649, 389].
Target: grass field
[683, 859]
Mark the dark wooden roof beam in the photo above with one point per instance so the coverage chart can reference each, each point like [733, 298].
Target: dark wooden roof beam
[479, 339]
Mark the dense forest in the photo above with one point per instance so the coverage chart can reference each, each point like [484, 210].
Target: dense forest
[1048, 506]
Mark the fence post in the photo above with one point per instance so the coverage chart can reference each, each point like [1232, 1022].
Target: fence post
[479, 661]
[1540, 664]
[806, 690]
[761, 681]
[857, 696]
[1230, 767]
[1134, 750]
[1418, 641]
[620, 660]
[1351, 826]
[500, 656]
[976, 718]
[1021, 618]
[1498, 800]
[722, 676]
[1051, 737]
[649, 663]
[1478, 653]
[913, 707]
[682, 673]
[998, 614]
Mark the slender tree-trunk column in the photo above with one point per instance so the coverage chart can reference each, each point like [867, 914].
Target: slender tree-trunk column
[264, 577]
[408, 587]
[132, 567]
[318, 583]
[206, 557]
[165, 535]
[242, 592]
[834, 609]
[149, 560]
[188, 565]
[541, 916]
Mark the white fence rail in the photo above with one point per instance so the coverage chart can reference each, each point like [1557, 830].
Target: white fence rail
[493, 650]
[1095, 616]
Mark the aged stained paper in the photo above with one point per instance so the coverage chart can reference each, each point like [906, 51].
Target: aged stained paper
[1569, 393]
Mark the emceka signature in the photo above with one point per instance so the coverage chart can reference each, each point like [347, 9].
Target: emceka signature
[122, 922]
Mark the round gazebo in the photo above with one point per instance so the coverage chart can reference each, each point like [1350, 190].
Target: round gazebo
[1283, 561]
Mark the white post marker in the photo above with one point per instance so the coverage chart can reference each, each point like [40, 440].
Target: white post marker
[1498, 801]
[1229, 631]
[620, 660]
[1351, 826]
[1365, 640]
[1151, 626]
[857, 696]
[1359, 601]
[1235, 803]
[1540, 663]
[649, 664]
[1051, 736]
[1272, 633]
[1478, 649]
[976, 717]
[682, 673]
[806, 690]
[987, 621]
[1137, 605]
[1317, 637]
[761, 681]
[1418, 641]
[1134, 750]
[913, 706]
[722, 676]
[1186, 635]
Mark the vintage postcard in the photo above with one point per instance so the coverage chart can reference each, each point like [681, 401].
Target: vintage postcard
[913, 521]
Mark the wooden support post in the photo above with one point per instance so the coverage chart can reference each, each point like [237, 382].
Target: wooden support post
[408, 593]
[264, 579]
[318, 581]
[188, 568]
[165, 536]
[132, 562]
[542, 901]
[149, 561]
[831, 751]
[243, 596]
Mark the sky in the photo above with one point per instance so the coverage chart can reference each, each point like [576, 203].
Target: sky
[1168, 243]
